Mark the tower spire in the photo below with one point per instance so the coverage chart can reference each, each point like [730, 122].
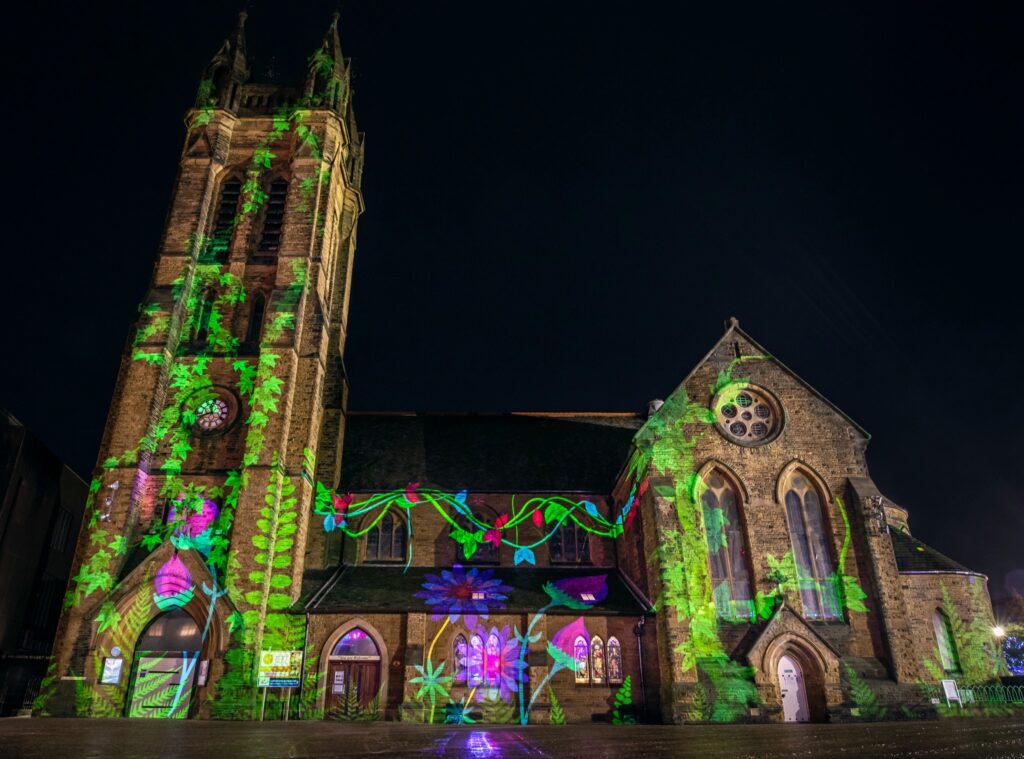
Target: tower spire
[327, 74]
[226, 72]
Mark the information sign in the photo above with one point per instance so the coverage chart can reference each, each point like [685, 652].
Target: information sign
[279, 669]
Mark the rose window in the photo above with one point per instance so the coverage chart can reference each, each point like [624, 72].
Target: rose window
[748, 415]
[212, 415]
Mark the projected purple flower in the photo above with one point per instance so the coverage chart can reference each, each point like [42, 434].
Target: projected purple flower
[590, 589]
[457, 592]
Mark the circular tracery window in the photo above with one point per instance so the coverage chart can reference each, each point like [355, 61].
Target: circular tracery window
[747, 415]
[212, 415]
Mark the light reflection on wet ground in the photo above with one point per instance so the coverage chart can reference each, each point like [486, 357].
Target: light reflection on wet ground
[138, 739]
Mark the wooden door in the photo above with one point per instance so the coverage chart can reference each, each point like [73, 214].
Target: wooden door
[350, 685]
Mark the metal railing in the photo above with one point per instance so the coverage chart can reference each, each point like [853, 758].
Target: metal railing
[992, 694]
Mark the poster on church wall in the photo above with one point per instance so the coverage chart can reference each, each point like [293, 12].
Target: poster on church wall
[111, 670]
[279, 669]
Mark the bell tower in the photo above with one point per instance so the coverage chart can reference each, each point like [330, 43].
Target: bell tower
[230, 400]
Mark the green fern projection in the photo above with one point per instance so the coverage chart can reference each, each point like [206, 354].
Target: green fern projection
[622, 712]
[557, 715]
[700, 704]
[864, 699]
[498, 712]
[153, 693]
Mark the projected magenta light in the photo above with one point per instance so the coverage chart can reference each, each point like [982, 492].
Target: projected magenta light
[497, 661]
[562, 644]
[590, 589]
[173, 584]
[197, 522]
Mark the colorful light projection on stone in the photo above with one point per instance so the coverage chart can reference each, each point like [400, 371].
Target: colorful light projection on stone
[545, 513]
[458, 592]
[492, 662]
[174, 587]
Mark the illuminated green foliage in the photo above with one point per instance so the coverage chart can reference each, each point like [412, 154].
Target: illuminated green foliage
[864, 699]
[498, 712]
[622, 709]
[557, 715]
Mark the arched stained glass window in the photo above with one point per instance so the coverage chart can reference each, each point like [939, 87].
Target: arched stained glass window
[357, 645]
[492, 661]
[386, 541]
[476, 661]
[581, 653]
[598, 671]
[460, 653]
[727, 547]
[172, 631]
[570, 544]
[948, 654]
[810, 548]
[614, 661]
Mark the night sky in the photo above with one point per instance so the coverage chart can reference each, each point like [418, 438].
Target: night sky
[564, 204]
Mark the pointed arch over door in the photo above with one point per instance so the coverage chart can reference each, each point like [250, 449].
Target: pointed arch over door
[165, 666]
[355, 655]
[353, 673]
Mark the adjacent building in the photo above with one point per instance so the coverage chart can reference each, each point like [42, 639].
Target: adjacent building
[41, 505]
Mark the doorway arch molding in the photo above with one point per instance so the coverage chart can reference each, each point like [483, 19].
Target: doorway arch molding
[787, 634]
[332, 640]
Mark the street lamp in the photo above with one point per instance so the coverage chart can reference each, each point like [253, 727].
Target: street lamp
[998, 631]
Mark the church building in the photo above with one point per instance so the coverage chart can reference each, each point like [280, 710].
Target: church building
[251, 549]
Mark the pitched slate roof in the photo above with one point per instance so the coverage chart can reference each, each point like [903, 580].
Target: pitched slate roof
[369, 588]
[486, 452]
[914, 556]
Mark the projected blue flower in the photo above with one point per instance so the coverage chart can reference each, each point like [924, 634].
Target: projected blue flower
[456, 593]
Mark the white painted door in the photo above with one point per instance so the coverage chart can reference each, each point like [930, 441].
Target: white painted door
[794, 694]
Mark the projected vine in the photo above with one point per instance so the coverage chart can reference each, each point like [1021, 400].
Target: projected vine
[197, 338]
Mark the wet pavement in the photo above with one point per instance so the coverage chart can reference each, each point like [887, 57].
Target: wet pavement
[135, 739]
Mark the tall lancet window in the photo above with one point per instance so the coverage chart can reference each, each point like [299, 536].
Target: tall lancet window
[815, 570]
[728, 561]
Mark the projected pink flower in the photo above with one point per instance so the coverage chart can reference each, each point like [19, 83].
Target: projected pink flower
[457, 592]
[173, 584]
[494, 534]
[561, 645]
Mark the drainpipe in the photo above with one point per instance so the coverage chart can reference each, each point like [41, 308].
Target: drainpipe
[638, 630]
[302, 667]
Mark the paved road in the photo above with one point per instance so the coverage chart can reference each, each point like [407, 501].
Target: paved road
[142, 739]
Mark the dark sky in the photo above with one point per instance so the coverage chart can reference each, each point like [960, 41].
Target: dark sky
[564, 203]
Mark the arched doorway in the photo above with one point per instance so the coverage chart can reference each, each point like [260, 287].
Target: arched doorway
[793, 690]
[353, 674]
[165, 663]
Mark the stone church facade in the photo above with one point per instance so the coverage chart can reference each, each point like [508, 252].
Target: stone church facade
[724, 556]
